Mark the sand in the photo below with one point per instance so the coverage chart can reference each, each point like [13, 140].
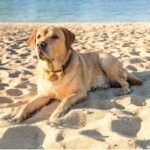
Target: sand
[103, 120]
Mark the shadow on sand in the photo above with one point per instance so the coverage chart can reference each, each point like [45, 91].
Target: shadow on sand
[22, 137]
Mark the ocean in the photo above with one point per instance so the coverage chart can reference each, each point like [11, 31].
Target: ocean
[75, 11]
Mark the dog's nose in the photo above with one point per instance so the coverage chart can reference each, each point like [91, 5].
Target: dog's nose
[42, 45]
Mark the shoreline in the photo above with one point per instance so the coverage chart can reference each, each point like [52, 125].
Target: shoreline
[75, 23]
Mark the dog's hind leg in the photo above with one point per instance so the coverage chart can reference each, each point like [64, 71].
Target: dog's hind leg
[133, 80]
[115, 72]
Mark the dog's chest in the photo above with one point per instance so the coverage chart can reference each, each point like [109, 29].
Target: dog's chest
[56, 90]
[45, 85]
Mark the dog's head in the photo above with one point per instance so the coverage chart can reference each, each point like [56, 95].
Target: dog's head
[51, 42]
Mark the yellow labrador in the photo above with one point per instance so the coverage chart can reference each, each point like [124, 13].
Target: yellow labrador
[67, 75]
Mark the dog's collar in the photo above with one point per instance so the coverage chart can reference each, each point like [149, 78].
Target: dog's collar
[65, 65]
[55, 75]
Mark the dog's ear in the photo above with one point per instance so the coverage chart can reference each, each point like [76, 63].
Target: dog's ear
[70, 37]
[32, 40]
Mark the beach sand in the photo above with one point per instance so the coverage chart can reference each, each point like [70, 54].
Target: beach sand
[103, 120]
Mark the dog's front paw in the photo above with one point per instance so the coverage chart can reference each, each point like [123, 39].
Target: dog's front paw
[54, 122]
[15, 115]
[20, 116]
[55, 119]
[125, 91]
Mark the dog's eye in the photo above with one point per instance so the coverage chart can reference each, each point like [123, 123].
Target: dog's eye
[38, 36]
[54, 37]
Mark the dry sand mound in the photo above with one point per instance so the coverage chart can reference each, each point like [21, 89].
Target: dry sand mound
[103, 120]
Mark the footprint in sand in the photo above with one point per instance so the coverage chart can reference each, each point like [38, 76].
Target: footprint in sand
[3, 85]
[138, 101]
[13, 46]
[18, 61]
[130, 67]
[24, 79]
[12, 52]
[135, 60]
[74, 119]
[26, 72]
[24, 55]
[3, 68]
[125, 101]
[147, 58]
[5, 100]
[144, 144]
[135, 53]
[22, 85]
[22, 137]
[15, 74]
[93, 134]
[126, 126]
[148, 51]
[31, 67]
[14, 92]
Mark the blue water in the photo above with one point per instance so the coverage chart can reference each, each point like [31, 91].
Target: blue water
[74, 10]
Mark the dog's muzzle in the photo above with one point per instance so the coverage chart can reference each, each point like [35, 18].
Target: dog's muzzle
[42, 45]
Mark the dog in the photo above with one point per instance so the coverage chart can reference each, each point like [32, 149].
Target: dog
[66, 75]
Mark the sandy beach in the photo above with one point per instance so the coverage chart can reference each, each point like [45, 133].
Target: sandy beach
[104, 120]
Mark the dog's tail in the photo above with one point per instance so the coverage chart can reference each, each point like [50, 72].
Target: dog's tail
[133, 80]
